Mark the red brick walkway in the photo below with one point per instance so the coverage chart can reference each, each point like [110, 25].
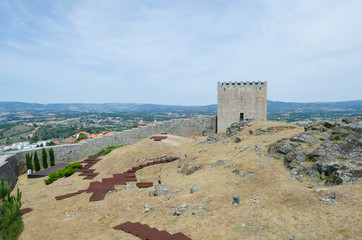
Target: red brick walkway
[100, 189]
[144, 232]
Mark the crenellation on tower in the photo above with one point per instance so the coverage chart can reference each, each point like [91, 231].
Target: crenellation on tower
[238, 101]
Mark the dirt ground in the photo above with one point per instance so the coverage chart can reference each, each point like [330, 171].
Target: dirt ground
[273, 204]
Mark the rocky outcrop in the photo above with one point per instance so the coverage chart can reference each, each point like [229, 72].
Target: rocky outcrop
[330, 151]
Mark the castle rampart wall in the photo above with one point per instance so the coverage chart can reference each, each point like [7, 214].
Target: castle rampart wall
[13, 164]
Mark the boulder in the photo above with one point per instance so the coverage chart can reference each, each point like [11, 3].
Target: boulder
[238, 139]
[159, 190]
[287, 147]
[292, 159]
[190, 169]
[194, 189]
[339, 177]
[233, 129]
[219, 163]
[212, 138]
[306, 137]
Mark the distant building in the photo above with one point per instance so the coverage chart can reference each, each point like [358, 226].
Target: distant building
[238, 101]
[69, 140]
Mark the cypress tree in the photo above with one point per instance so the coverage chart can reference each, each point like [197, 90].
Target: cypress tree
[44, 158]
[11, 224]
[36, 162]
[29, 164]
[52, 157]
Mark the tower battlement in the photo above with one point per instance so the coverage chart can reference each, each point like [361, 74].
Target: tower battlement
[238, 101]
[247, 83]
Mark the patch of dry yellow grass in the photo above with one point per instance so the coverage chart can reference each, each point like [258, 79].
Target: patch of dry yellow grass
[284, 207]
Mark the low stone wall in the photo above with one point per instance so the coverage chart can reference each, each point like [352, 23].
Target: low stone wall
[13, 165]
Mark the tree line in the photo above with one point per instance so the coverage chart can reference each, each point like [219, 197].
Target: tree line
[32, 160]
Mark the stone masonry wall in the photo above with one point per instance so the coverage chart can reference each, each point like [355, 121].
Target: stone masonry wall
[235, 98]
[13, 165]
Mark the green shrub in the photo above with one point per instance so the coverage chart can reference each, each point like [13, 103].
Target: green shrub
[44, 158]
[51, 157]
[29, 164]
[105, 151]
[11, 224]
[322, 139]
[82, 136]
[36, 162]
[63, 172]
[337, 135]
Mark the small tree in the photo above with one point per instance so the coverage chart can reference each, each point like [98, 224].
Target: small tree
[36, 162]
[11, 224]
[52, 157]
[82, 136]
[44, 158]
[29, 164]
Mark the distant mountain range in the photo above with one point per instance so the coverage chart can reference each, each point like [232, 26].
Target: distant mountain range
[273, 107]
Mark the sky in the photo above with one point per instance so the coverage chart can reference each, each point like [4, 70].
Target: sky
[175, 52]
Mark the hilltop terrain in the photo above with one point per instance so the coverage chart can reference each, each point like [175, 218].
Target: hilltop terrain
[273, 203]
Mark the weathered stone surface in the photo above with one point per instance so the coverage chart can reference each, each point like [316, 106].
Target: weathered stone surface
[238, 139]
[337, 158]
[247, 174]
[220, 163]
[190, 169]
[339, 177]
[305, 137]
[233, 129]
[292, 159]
[194, 189]
[213, 138]
[159, 190]
[287, 147]
[180, 209]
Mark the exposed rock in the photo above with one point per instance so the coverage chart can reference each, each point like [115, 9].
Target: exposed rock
[237, 173]
[238, 139]
[129, 186]
[194, 189]
[306, 137]
[270, 130]
[201, 208]
[159, 190]
[292, 159]
[339, 177]
[230, 166]
[213, 138]
[236, 199]
[327, 196]
[190, 169]
[233, 129]
[355, 120]
[219, 163]
[287, 147]
[180, 209]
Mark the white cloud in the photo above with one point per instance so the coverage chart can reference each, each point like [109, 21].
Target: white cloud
[178, 50]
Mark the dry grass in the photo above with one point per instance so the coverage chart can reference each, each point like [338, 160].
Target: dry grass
[285, 207]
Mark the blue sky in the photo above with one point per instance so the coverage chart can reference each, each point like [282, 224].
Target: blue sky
[175, 52]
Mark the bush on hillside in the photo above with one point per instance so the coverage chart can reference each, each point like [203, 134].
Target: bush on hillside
[11, 224]
[105, 151]
[64, 172]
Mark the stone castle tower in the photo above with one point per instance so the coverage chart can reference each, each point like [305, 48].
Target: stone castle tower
[238, 101]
